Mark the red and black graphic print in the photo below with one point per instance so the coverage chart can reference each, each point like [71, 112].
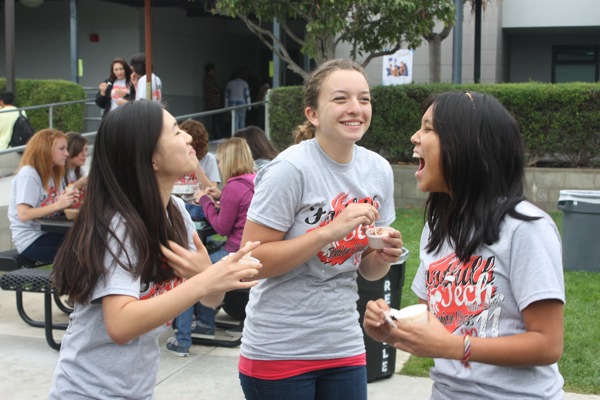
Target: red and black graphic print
[461, 294]
[156, 289]
[336, 253]
[50, 198]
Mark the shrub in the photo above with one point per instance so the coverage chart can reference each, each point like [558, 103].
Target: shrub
[33, 92]
[560, 123]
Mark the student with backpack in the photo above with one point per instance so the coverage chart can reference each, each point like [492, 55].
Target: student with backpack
[15, 128]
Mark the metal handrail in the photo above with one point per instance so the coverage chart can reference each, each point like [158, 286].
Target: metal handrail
[178, 118]
[231, 109]
[50, 108]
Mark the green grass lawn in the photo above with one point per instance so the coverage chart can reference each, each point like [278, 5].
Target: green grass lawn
[580, 363]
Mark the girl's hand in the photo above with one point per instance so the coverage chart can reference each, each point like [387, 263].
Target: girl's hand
[102, 88]
[423, 340]
[374, 321]
[393, 250]
[214, 192]
[231, 271]
[187, 263]
[351, 217]
[430, 340]
[67, 198]
[134, 78]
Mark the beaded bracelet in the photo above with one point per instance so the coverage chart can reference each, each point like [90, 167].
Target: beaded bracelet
[467, 354]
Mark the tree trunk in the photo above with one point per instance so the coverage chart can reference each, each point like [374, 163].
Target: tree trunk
[435, 59]
[435, 53]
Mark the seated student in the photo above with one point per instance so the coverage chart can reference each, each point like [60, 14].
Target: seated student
[207, 171]
[262, 149]
[235, 160]
[75, 175]
[38, 191]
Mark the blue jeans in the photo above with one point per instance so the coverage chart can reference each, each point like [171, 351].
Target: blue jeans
[205, 316]
[345, 383]
[196, 211]
[240, 114]
[44, 248]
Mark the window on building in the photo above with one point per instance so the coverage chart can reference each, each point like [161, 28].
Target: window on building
[575, 64]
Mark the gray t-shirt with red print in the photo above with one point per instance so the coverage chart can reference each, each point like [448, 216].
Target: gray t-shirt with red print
[90, 364]
[27, 188]
[485, 297]
[309, 313]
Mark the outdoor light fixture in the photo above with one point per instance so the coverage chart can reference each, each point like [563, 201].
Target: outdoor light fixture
[32, 3]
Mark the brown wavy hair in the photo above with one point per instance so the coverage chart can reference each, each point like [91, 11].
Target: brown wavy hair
[199, 136]
[258, 142]
[119, 60]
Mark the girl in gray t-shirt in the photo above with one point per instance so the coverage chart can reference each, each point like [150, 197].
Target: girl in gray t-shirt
[38, 192]
[132, 260]
[491, 269]
[311, 208]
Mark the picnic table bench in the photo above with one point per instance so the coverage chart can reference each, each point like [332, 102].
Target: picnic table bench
[24, 275]
[27, 276]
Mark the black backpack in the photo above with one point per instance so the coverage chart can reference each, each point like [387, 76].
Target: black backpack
[22, 131]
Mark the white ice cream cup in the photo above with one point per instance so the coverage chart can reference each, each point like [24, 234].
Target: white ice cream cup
[376, 236]
[416, 313]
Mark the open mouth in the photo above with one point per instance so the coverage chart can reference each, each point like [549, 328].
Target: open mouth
[421, 161]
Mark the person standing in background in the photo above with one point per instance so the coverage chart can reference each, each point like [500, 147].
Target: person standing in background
[138, 65]
[117, 89]
[213, 101]
[237, 92]
[7, 119]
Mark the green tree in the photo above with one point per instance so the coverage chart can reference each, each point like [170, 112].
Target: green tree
[373, 28]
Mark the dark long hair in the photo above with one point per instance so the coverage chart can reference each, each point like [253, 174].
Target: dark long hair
[483, 162]
[75, 144]
[126, 67]
[121, 182]
[259, 143]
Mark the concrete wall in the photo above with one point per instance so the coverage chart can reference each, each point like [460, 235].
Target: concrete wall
[546, 13]
[544, 184]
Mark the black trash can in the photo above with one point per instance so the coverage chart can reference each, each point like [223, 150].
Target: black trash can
[381, 357]
[234, 303]
[581, 228]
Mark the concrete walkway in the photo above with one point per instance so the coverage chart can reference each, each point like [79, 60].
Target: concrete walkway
[208, 373]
